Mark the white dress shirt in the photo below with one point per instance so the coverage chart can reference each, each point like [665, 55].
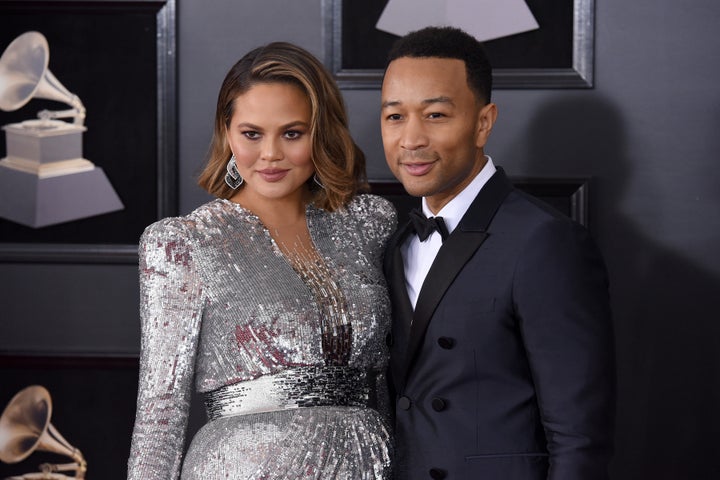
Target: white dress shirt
[418, 256]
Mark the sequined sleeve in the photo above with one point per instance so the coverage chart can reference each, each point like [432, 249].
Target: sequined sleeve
[378, 219]
[170, 313]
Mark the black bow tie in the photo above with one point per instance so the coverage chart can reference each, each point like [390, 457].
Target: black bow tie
[424, 226]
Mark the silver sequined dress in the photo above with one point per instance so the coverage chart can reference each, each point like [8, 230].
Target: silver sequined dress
[223, 308]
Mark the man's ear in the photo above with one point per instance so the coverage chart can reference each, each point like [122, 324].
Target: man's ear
[486, 119]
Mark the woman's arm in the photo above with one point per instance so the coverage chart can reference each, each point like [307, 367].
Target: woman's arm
[170, 312]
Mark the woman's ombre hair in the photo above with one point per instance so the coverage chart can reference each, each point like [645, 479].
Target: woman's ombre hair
[339, 163]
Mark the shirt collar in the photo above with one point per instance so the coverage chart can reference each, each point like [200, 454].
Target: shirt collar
[453, 212]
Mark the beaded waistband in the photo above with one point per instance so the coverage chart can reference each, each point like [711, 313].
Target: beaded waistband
[294, 388]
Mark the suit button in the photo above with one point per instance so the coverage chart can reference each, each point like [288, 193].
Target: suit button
[446, 342]
[438, 404]
[437, 473]
[389, 340]
[403, 403]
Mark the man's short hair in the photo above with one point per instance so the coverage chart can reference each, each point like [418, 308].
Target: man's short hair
[449, 42]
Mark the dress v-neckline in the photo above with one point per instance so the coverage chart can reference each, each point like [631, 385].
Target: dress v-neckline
[310, 213]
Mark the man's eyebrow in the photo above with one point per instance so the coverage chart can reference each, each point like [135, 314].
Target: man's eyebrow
[427, 101]
[440, 99]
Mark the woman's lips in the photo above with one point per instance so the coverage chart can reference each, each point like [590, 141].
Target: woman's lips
[273, 174]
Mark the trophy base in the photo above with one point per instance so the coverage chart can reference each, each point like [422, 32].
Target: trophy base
[35, 201]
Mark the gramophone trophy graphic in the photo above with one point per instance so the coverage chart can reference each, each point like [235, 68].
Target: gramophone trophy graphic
[44, 179]
[25, 427]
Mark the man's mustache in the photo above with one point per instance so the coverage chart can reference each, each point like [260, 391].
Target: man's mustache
[418, 156]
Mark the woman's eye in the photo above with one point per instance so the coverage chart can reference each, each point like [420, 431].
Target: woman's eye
[252, 135]
[293, 134]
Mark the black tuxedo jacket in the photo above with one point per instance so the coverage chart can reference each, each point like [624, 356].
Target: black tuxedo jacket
[505, 370]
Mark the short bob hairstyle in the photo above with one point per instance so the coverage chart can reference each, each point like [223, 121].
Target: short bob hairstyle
[339, 163]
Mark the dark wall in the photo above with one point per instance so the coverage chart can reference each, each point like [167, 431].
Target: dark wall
[646, 135]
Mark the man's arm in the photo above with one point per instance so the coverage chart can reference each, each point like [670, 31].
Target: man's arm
[562, 300]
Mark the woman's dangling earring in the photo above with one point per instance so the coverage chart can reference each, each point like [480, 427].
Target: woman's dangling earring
[233, 178]
[317, 181]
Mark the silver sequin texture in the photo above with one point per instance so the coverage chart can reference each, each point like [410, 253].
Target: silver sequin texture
[220, 304]
[295, 387]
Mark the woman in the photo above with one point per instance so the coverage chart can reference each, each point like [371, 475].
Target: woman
[271, 295]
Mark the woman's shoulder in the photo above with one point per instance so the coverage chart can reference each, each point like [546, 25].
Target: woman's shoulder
[373, 214]
[181, 227]
[166, 230]
[371, 205]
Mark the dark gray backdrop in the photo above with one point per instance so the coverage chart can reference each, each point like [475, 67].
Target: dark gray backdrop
[646, 134]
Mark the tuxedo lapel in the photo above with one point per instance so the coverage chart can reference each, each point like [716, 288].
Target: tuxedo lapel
[402, 308]
[395, 275]
[455, 252]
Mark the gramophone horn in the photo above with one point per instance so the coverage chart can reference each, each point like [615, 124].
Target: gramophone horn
[24, 75]
[25, 427]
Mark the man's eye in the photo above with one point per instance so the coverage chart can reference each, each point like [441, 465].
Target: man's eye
[393, 117]
[436, 115]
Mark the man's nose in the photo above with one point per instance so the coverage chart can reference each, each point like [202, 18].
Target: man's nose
[413, 135]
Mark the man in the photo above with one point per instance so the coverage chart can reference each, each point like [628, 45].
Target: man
[502, 347]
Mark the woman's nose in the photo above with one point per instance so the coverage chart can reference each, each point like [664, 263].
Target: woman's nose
[271, 150]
